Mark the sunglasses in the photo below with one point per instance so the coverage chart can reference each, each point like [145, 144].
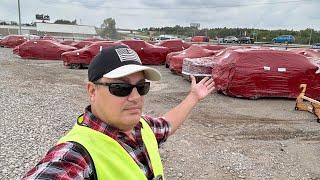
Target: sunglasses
[125, 89]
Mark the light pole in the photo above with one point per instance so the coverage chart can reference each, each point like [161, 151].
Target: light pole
[19, 17]
[310, 36]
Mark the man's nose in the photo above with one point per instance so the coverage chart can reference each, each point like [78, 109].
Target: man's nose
[134, 95]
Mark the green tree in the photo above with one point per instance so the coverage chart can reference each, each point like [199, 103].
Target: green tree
[108, 29]
[262, 35]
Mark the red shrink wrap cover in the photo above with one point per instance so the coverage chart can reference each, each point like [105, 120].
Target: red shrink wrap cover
[194, 51]
[254, 73]
[198, 66]
[174, 45]
[169, 57]
[42, 49]
[148, 53]
[213, 47]
[12, 41]
[82, 57]
[311, 53]
[81, 44]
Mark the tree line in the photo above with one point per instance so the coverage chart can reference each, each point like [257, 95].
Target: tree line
[261, 35]
[108, 30]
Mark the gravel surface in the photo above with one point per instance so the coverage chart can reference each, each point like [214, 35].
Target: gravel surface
[223, 138]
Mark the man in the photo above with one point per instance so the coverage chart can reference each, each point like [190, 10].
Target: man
[112, 140]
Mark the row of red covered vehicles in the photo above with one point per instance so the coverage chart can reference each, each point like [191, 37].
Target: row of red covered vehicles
[79, 54]
[239, 71]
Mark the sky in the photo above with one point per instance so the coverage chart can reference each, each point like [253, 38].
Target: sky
[137, 14]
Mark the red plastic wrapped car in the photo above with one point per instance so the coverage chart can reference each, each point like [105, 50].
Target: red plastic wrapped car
[81, 44]
[47, 37]
[67, 42]
[175, 62]
[312, 54]
[169, 56]
[174, 45]
[148, 53]
[82, 57]
[12, 41]
[309, 53]
[42, 49]
[256, 73]
[213, 47]
[94, 39]
[200, 39]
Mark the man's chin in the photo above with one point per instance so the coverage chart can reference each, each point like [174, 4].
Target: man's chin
[130, 124]
[133, 119]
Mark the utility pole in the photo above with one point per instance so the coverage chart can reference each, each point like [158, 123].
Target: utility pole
[310, 36]
[19, 17]
[256, 35]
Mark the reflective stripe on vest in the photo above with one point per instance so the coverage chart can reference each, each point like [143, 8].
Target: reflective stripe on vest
[110, 159]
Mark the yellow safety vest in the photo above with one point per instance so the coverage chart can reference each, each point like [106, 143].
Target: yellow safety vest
[110, 159]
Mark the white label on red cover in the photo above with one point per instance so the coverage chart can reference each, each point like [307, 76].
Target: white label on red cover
[100, 48]
[266, 68]
[282, 69]
[77, 53]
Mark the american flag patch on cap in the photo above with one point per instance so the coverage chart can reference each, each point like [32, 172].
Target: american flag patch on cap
[126, 54]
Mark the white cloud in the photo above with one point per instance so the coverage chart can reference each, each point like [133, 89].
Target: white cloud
[265, 14]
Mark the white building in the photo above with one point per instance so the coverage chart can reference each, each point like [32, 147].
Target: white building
[66, 30]
[55, 30]
[10, 29]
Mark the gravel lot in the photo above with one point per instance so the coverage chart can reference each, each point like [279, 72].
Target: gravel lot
[223, 138]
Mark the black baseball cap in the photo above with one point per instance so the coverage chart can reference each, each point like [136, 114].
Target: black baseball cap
[117, 62]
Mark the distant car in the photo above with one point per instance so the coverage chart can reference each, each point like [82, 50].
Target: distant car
[82, 57]
[230, 39]
[245, 40]
[284, 39]
[12, 41]
[220, 40]
[165, 37]
[200, 39]
[148, 53]
[42, 49]
[316, 46]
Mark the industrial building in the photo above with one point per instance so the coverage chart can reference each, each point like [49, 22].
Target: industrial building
[56, 30]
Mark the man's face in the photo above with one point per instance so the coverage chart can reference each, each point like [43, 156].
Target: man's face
[121, 112]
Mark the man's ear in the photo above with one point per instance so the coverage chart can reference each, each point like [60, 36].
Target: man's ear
[91, 90]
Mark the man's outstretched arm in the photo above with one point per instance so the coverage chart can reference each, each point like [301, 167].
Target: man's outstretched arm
[198, 91]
